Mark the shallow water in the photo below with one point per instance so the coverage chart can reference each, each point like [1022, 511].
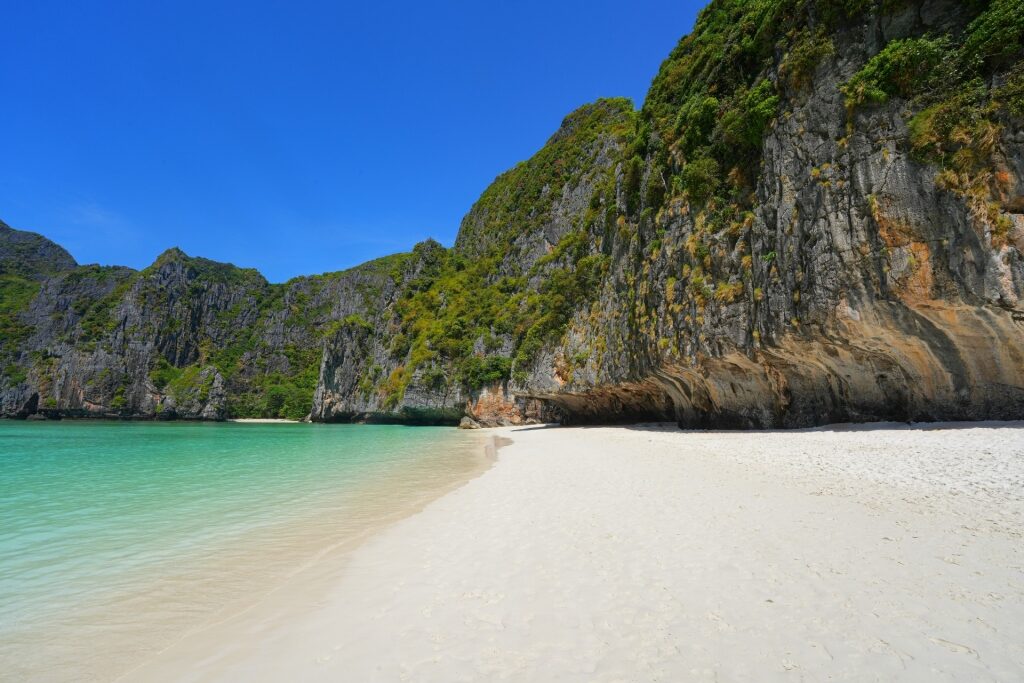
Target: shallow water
[116, 539]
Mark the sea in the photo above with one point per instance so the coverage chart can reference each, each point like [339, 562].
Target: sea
[117, 539]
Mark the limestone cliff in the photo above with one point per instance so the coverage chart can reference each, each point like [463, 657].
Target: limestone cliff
[766, 246]
[816, 216]
[860, 281]
[186, 337]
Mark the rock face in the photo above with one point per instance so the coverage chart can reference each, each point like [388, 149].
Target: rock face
[817, 216]
[184, 338]
[871, 292]
[362, 380]
[30, 255]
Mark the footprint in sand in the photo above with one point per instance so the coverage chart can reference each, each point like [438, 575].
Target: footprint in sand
[955, 647]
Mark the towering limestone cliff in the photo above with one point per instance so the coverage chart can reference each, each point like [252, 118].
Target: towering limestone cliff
[186, 337]
[817, 216]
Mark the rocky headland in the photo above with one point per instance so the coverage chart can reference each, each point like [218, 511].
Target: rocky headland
[816, 216]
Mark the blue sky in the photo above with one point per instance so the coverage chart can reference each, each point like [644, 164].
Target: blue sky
[294, 137]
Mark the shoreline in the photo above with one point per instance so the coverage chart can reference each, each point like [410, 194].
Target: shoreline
[849, 552]
[309, 579]
[77, 415]
[119, 620]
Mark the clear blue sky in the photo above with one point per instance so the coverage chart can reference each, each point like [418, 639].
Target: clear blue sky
[295, 137]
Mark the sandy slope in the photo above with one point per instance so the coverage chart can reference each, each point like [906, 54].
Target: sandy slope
[648, 554]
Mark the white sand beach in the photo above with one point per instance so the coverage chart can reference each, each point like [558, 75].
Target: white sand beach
[863, 553]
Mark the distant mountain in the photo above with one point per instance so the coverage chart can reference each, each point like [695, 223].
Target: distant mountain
[27, 254]
[816, 216]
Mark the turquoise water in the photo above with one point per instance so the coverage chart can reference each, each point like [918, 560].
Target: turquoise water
[116, 538]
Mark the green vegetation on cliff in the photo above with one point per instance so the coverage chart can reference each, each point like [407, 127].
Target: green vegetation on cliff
[959, 115]
[707, 111]
[472, 302]
[519, 200]
[642, 224]
[29, 255]
[15, 295]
